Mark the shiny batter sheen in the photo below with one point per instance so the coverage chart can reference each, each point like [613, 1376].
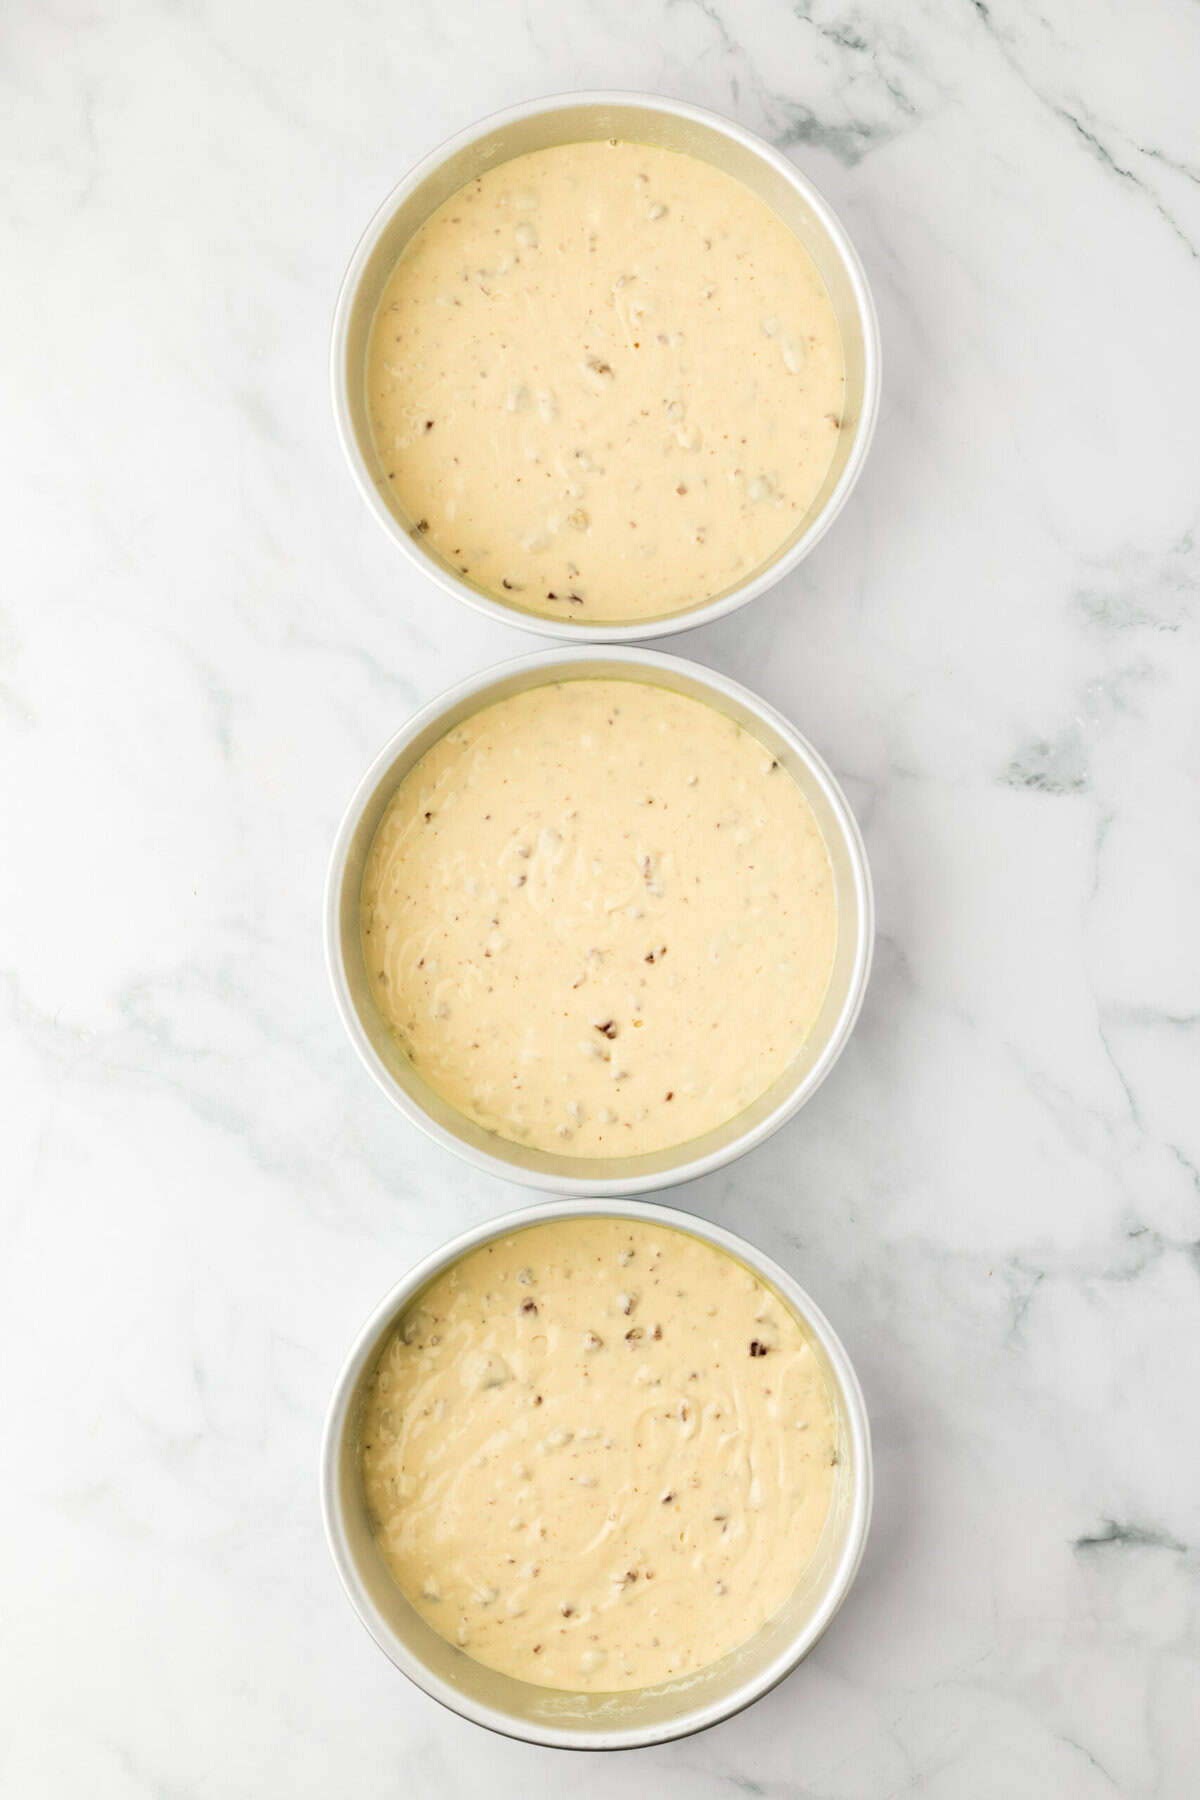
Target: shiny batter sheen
[599, 918]
[604, 381]
[598, 1454]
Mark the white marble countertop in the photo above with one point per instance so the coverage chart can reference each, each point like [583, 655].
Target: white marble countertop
[204, 638]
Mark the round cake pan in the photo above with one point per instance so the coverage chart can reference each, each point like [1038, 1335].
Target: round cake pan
[551, 1716]
[591, 1176]
[664, 124]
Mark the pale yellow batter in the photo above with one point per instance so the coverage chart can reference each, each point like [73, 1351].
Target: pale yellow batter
[599, 1454]
[605, 381]
[599, 918]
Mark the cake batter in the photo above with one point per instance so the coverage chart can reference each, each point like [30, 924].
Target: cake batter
[598, 1454]
[604, 382]
[599, 918]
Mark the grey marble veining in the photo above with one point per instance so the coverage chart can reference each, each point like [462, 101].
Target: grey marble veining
[203, 639]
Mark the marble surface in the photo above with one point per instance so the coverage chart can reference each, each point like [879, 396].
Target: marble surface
[204, 639]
